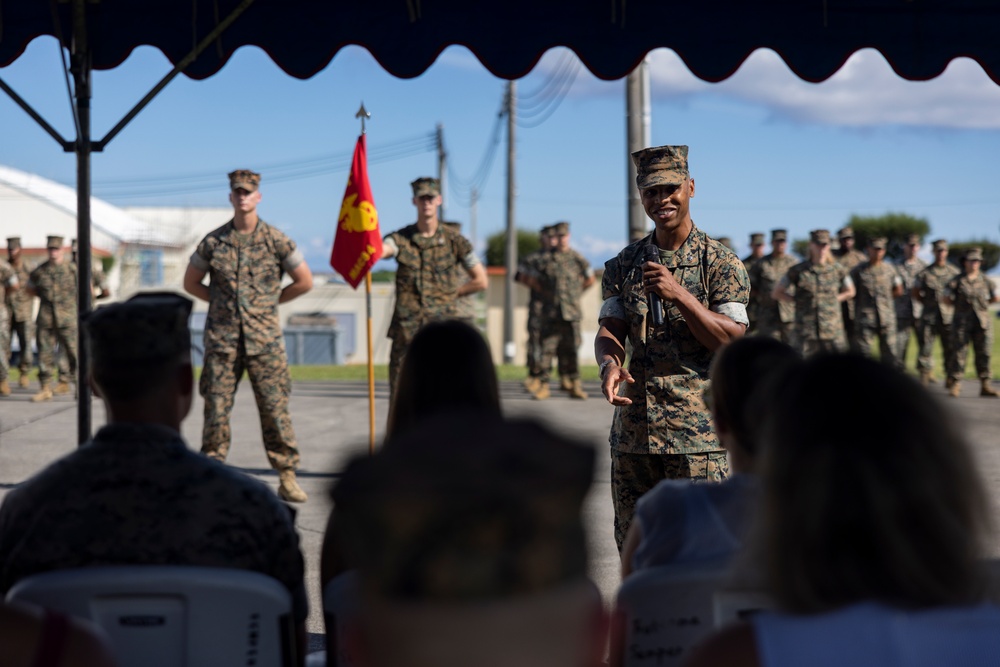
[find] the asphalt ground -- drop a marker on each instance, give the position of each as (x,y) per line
(331,423)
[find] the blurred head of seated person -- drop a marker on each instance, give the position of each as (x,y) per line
(135,493)
(873,527)
(470,546)
(679,521)
(31,636)
(447,366)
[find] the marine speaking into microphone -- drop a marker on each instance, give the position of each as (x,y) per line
(652,254)
(662,428)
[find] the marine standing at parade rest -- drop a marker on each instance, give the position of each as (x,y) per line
(756,253)
(662,428)
(878,286)
(849,257)
(245,260)
(564,276)
(528,272)
(20,304)
(971,294)
(426,286)
(98,290)
(907,308)
(773,318)
(54,283)
(818,287)
(935,315)
(9,282)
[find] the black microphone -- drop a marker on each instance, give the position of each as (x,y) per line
(652,254)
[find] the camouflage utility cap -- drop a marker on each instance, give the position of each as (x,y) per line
(940,244)
(820,236)
(879,242)
(560,228)
(779,235)
(13,243)
(244,179)
(757,239)
(845,233)
(430,517)
(53,242)
(149,327)
(545,231)
(426,187)
(661,165)
(974,254)
(913,239)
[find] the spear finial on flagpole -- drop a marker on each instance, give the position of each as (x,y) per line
(362,114)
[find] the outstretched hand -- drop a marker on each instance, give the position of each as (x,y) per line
(614,376)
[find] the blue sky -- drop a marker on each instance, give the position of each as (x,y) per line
(767,149)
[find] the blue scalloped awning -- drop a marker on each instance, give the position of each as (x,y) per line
(713,37)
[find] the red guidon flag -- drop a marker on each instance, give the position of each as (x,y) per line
(357,244)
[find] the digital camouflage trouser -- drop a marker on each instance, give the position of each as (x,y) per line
(271,385)
(48,339)
(560,339)
(634,474)
(25,332)
(927,329)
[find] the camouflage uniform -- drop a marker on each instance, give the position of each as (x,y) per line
(99,283)
(563,275)
(426,284)
(936,315)
(907,313)
(531,265)
(972,322)
(20,304)
(849,259)
(135,494)
(55,285)
(243,332)
(668,417)
(875,309)
(8,280)
(819,319)
(773,318)
(465,306)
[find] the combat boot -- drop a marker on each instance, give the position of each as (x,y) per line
(44,395)
(955,389)
(24,381)
(4,388)
(576,390)
(531,384)
(289,490)
(925,378)
(62,387)
(565,383)
(949,382)
(543,391)
(987,389)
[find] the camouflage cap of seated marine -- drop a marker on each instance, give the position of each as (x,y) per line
(244,179)
(426,186)
(429,518)
(779,235)
(820,236)
(660,165)
(54,242)
(149,327)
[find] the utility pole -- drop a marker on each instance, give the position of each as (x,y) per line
(442,169)
(637,114)
(509,348)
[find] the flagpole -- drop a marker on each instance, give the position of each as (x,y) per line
(363,115)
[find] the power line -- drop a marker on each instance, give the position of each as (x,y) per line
(463,188)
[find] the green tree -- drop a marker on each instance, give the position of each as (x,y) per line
(496,246)
(894,226)
(991,253)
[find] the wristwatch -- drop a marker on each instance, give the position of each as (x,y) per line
(605,364)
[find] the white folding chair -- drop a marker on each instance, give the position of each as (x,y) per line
(661,612)
(175,616)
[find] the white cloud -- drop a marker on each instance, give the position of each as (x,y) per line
(597,250)
(865,92)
